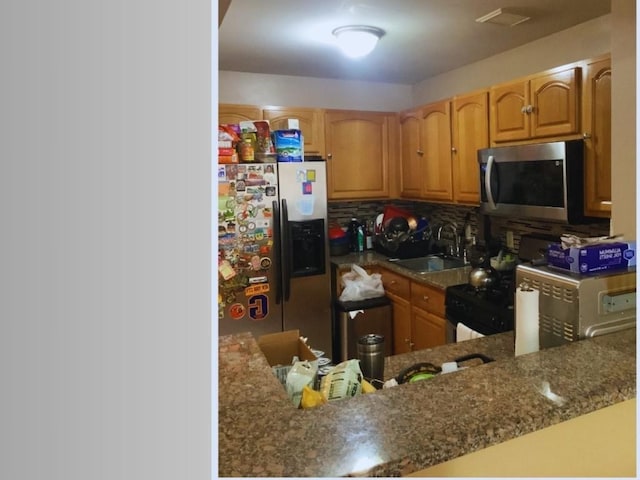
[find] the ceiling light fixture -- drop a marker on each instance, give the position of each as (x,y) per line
(501,17)
(357,41)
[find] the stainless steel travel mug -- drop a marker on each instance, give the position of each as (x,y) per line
(371,355)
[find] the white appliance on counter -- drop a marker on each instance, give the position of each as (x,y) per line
(572,307)
(273,255)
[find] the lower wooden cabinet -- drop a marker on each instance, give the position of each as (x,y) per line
(428,330)
(402,331)
(418,313)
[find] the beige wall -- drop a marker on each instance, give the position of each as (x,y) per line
(623,117)
(282,90)
(586,40)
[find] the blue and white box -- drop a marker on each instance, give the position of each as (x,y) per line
(596,258)
(289,145)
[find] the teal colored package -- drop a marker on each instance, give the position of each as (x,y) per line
(288,145)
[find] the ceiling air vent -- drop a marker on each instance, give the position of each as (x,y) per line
(501,17)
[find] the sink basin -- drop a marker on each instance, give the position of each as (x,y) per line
(430,263)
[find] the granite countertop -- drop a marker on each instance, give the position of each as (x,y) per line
(441,279)
(403,429)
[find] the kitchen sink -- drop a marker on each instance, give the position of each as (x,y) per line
(430,263)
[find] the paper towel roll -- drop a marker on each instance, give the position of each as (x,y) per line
(527,323)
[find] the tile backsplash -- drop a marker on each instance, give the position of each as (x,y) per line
(341,212)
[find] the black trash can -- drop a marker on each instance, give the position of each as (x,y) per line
(355,319)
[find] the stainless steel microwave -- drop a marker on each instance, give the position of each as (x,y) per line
(543,181)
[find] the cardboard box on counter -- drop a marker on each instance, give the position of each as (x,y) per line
(596,258)
(280,348)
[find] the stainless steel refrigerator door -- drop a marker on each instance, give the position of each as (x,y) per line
(248,264)
(307,307)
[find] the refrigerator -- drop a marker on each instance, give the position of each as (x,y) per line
(273,250)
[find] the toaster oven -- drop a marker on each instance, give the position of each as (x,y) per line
(574,307)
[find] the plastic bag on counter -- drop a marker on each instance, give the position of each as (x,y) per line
(302,374)
(359,285)
(343,381)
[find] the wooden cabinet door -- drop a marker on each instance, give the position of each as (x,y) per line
(508,120)
(555,103)
(470,132)
(427,329)
(411,156)
(428,298)
(398,289)
(597,132)
(311,122)
(228,113)
(436,143)
(357,145)
(401,324)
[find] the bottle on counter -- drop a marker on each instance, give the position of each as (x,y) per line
(353,235)
(360,238)
(368,235)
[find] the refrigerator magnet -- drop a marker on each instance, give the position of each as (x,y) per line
(256,289)
(226,270)
(258,306)
(237,311)
(311,175)
(307,188)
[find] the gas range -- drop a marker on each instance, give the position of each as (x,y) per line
(487,311)
(490,311)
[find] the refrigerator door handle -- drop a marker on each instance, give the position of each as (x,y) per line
(285,251)
(277,249)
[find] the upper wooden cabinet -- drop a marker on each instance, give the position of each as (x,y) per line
(311,121)
(544,105)
(435,137)
(228,113)
(426,153)
(358,152)
(439,149)
(596,121)
(411,155)
(470,132)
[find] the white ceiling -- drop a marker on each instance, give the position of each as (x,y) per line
(423,37)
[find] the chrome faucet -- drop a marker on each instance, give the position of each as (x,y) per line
(453,250)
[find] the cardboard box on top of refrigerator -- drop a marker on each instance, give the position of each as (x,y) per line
(596,258)
(280,348)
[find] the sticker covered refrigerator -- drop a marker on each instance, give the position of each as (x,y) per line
(273,252)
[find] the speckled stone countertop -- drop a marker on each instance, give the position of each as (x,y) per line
(441,279)
(403,429)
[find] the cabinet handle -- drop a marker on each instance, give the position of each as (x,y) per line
(586,135)
(419,152)
(425,298)
(453,149)
(411,344)
(392,282)
(329,155)
(529,108)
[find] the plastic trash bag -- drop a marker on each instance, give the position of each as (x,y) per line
(359,285)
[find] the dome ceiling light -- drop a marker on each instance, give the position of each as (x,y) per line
(357,41)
